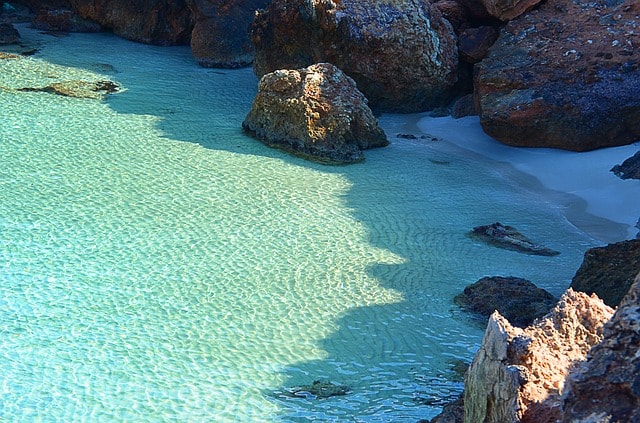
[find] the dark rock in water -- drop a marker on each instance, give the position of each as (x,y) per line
(607,388)
(609,271)
(8,34)
(319,390)
(629,169)
(78,89)
(316,112)
(508,237)
(517,299)
(452,412)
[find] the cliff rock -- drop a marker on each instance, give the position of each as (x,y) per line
(316,112)
(402,54)
(220,36)
(607,389)
(518,374)
(517,299)
(609,271)
(565,75)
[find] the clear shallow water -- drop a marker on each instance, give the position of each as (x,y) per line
(158,265)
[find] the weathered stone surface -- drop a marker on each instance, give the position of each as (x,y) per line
(518,374)
(64,20)
(506,10)
(220,37)
(316,112)
(508,237)
(474,43)
(402,54)
(162,22)
(8,34)
(629,169)
(607,387)
(517,299)
(609,271)
(565,75)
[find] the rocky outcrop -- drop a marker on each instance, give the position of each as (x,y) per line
(518,374)
(607,388)
(510,238)
(8,34)
(609,271)
(517,299)
(629,169)
(64,20)
(316,112)
(220,37)
(402,54)
(565,75)
(505,10)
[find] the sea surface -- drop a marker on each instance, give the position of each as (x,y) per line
(156,264)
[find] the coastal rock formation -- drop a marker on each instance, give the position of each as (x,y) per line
(63,20)
(629,169)
(607,389)
(316,112)
(402,54)
(508,237)
(220,36)
(609,271)
(517,299)
(518,374)
(8,34)
(565,75)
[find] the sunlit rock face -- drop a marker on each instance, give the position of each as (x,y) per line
(316,112)
(402,54)
(565,75)
(608,387)
(518,374)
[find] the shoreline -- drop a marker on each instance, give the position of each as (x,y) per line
(581,185)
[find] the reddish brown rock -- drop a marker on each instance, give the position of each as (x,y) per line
(609,271)
(518,374)
(565,75)
(607,387)
(316,112)
(64,20)
(402,54)
(474,43)
(506,10)
(220,37)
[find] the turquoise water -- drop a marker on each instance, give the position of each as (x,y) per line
(158,265)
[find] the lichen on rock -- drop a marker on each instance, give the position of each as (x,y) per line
(315,112)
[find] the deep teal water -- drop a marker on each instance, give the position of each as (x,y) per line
(158,265)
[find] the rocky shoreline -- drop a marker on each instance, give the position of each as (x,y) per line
(563,74)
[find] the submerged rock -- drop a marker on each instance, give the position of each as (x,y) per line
(509,238)
(402,54)
(319,390)
(518,374)
(517,299)
(629,169)
(316,112)
(78,89)
(607,387)
(609,271)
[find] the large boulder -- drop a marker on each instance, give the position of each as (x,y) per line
(609,271)
(607,389)
(402,54)
(506,10)
(220,36)
(565,75)
(8,34)
(64,20)
(517,299)
(518,374)
(316,112)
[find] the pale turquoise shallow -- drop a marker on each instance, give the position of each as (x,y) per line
(158,265)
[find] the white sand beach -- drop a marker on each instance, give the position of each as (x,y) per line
(593,198)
